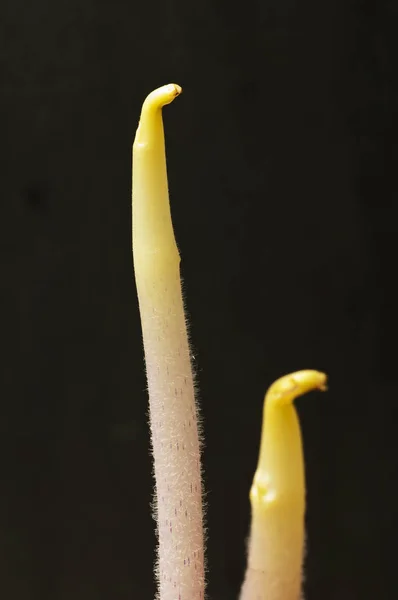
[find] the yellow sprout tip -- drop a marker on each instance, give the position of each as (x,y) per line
(280,469)
(286,389)
(151,113)
(162,96)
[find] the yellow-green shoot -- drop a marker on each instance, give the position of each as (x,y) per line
(276,544)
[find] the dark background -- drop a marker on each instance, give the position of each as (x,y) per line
(282,157)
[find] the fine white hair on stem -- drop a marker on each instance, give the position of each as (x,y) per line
(174,422)
(276,543)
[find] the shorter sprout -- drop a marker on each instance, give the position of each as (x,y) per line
(276,543)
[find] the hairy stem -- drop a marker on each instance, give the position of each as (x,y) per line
(173,410)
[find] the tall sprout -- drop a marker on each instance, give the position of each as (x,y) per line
(173,410)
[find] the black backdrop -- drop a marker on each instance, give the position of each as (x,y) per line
(281,162)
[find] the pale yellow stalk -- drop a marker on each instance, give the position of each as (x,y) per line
(173,411)
(276,544)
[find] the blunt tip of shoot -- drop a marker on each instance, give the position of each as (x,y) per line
(162,96)
(148,128)
(280,471)
(287,388)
